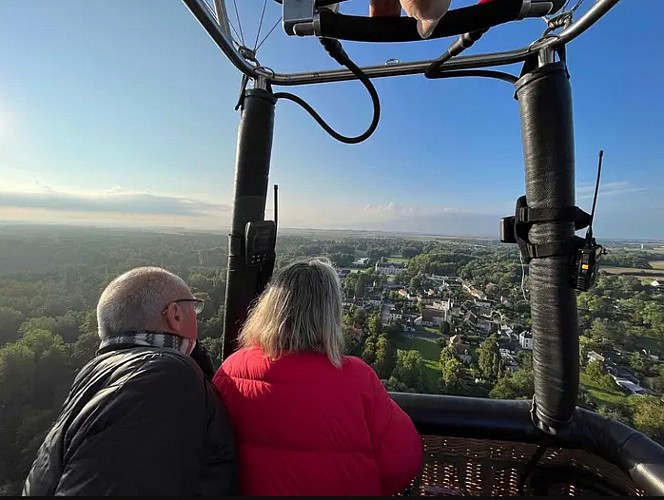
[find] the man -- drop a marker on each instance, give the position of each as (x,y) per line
(141,417)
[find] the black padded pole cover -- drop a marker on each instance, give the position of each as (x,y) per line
(252,168)
(545,102)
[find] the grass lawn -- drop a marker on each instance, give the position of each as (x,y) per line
(657,264)
(601,395)
(397,260)
(430,352)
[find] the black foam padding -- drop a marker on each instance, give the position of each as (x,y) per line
(545,102)
(252,168)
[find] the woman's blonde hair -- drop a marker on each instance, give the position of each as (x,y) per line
(299,311)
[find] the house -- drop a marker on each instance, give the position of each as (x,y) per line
(394,314)
(657,283)
(407,295)
(482,304)
(361,262)
(474,291)
(595,357)
(505,331)
(462,349)
(526,340)
(389,268)
(432,317)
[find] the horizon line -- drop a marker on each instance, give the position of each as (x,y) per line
(157,228)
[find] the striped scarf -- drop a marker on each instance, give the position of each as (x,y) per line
(151,339)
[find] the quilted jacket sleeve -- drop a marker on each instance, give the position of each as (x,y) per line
(397,444)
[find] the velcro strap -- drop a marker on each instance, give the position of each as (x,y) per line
(554,248)
(558,214)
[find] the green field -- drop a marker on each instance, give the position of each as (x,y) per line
(601,395)
(645,275)
(430,352)
(397,260)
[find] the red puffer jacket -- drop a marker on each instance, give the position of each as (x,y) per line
(305,427)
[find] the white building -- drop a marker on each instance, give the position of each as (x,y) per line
(389,268)
(526,340)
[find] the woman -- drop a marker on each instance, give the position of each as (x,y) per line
(309,420)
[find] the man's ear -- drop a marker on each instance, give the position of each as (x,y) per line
(173,316)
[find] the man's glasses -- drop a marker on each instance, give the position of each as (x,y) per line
(199,304)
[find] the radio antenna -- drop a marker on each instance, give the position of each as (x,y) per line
(589,233)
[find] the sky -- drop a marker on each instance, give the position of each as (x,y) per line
(121,112)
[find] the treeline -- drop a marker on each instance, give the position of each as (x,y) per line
(629,258)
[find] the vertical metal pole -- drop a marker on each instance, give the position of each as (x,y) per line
(545,102)
(252,168)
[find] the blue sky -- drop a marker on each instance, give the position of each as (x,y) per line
(121,111)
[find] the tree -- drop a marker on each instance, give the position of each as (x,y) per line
(409,252)
(525,360)
(598,374)
(445,328)
(386,358)
(618,413)
(416,282)
(10,320)
(34,381)
(489,361)
(83,350)
(394,332)
(637,363)
(374,326)
(452,370)
(409,369)
(369,352)
(360,317)
(648,416)
(361,285)
(215,346)
(517,385)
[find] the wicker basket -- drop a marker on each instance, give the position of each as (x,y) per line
(461,466)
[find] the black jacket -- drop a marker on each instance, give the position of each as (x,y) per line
(138,421)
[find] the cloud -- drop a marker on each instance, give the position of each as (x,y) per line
(113,201)
(586,191)
(393,210)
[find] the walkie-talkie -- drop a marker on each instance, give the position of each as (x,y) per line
(586,261)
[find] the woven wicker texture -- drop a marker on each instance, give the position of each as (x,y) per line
(494,468)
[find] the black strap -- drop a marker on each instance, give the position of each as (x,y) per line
(554,248)
(528,215)
(525,217)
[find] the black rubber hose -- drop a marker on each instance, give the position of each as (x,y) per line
(404,29)
(337,52)
(545,101)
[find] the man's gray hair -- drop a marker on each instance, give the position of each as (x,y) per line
(300,310)
(136,299)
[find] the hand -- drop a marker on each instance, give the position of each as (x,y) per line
(384,8)
(427,12)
